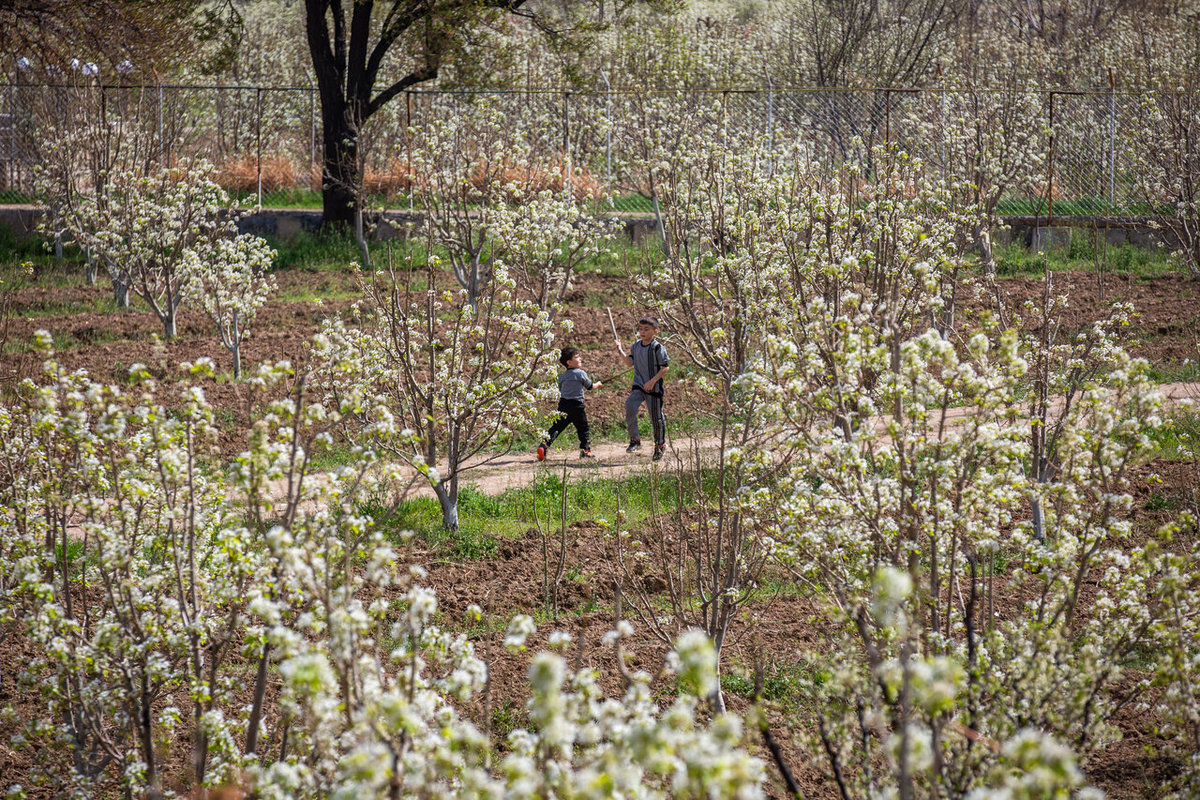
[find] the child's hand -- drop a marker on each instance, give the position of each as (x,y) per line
(597,385)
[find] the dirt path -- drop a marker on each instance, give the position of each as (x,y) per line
(518,469)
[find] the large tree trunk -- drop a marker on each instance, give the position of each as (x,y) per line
(346,62)
(340,174)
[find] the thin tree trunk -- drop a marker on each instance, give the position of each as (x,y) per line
(448,499)
(121,293)
(361,238)
(260,693)
(983,243)
(236,348)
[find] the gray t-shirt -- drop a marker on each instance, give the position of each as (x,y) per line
(647,360)
(571,384)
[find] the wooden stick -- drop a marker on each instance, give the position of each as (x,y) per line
(615,375)
(612,325)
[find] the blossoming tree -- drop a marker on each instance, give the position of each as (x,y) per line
(230,280)
(457,376)
(143,571)
(144,226)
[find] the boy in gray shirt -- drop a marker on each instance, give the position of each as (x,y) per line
(572,385)
(650,362)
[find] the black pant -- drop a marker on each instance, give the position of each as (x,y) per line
(573,414)
(654,405)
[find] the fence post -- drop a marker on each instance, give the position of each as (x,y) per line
(770,114)
(258,139)
(725,118)
(1050,169)
(1112,140)
(10,139)
(942,134)
(770,125)
(566,111)
(887,117)
(162,144)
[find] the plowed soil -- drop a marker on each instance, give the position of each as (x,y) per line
(106,344)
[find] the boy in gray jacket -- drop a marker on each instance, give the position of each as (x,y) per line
(650,362)
(572,385)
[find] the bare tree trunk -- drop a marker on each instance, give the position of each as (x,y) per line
(260,693)
(89,273)
(448,499)
(983,243)
(359,236)
(121,293)
(236,347)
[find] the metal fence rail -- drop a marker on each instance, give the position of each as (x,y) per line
(266,141)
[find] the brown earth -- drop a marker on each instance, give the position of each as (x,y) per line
(512,581)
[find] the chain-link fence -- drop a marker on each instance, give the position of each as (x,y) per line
(1052,152)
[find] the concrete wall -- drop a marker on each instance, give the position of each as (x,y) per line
(286,224)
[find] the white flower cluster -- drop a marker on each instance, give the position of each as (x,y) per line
(230,280)
(142,226)
(142,570)
(902,451)
(436,378)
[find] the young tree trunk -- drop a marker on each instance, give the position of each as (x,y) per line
(448,498)
(1039,520)
(983,243)
(360,237)
(235,347)
(121,293)
(718,695)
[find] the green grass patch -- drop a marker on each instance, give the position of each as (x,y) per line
(14,249)
(1083,252)
(43,270)
(486,519)
(331,251)
(1175,372)
(318,292)
(1179,437)
(102,303)
(63,341)
(785,685)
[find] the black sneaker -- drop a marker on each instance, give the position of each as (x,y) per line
(586,454)
(633,446)
(659,449)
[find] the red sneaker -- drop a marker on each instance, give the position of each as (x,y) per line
(541,452)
